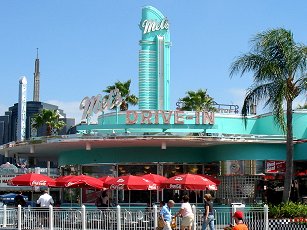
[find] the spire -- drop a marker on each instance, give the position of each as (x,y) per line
(36,78)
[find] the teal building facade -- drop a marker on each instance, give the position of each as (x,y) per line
(154,60)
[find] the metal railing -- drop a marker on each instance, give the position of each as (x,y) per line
(118,218)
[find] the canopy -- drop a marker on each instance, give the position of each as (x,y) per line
(83,181)
(157,179)
(8,168)
(130,183)
(105,178)
(214,179)
(9,197)
(189,182)
(62,180)
(33,179)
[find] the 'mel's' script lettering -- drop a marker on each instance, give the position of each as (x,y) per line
(153,25)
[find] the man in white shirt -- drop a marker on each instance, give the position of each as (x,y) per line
(45,200)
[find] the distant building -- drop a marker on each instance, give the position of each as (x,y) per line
(8,122)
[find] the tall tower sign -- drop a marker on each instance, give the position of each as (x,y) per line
(22,109)
(154,61)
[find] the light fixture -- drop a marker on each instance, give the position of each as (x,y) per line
(163,145)
(88,146)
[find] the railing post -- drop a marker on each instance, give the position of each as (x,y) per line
(155,216)
(194,212)
(19,217)
(4,216)
(50,217)
(266,216)
(234,209)
(83,216)
(118,217)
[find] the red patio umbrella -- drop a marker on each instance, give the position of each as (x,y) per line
(62,180)
(130,183)
(84,181)
(33,179)
(105,178)
(157,179)
(189,182)
(214,179)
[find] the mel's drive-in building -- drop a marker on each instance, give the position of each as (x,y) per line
(249,160)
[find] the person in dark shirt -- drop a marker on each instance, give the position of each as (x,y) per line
(19,200)
(208,213)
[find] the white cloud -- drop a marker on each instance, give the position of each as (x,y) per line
(236,96)
(302,100)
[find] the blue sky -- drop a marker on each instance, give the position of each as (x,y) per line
(85,46)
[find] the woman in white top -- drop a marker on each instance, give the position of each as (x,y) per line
(186,213)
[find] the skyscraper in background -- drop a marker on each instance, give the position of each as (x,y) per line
(36,79)
(154,61)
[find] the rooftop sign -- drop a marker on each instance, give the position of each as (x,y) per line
(154,25)
(100,103)
(164,117)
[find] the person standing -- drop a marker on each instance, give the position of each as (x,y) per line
(208,213)
(238,216)
(45,200)
(19,200)
(102,200)
(186,213)
(166,214)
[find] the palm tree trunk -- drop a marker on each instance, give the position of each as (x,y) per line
(48,130)
(290,153)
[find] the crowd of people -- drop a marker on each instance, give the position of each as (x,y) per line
(167,220)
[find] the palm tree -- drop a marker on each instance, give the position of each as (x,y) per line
(50,118)
(197,101)
(279,67)
(124,89)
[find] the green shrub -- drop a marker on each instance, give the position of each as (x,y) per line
(288,210)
